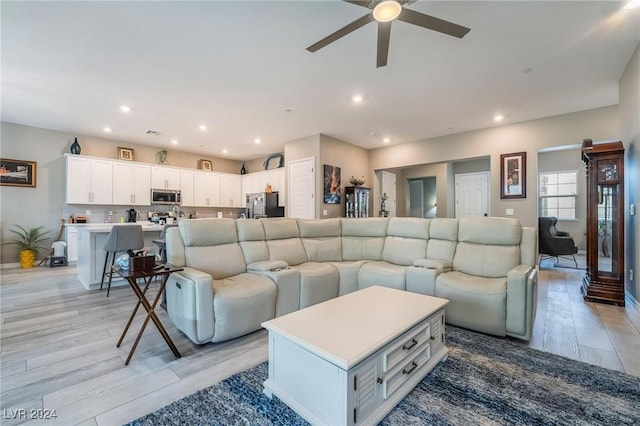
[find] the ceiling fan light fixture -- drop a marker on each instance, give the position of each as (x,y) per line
(387,10)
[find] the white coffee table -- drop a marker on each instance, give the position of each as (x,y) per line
(350,360)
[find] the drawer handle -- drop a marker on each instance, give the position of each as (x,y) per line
(413,367)
(410,345)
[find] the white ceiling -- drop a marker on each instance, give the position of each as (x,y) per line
(239,66)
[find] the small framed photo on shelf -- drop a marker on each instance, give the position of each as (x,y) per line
(17,173)
(125,154)
(205,165)
(513,175)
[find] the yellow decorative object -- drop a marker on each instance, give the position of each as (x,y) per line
(27,258)
(268,188)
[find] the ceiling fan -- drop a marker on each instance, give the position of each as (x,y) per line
(385,12)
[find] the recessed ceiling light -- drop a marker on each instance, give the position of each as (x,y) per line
(498,117)
(125,108)
(357,99)
(203,127)
(386,140)
(632,4)
(174,141)
(107,129)
(225,151)
(257,141)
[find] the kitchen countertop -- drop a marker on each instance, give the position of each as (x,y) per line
(106,227)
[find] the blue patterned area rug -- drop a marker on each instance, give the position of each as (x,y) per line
(485,380)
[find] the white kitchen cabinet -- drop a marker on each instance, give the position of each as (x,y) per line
(186,188)
(231,191)
(258,181)
(206,189)
(131,184)
(165,178)
(89,180)
(72,243)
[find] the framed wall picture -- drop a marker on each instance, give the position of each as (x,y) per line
(513,175)
(331,184)
(17,173)
(125,154)
(205,165)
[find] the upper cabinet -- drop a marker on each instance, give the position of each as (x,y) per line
(89,181)
(257,182)
(186,188)
(206,189)
(131,183)
(231,191)
(165,178)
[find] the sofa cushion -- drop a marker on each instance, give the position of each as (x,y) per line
(251,237)
(477,303)
(363,239)
(443,235)
(321,239)
(382,273)
(211,246)
(488,246)
(490,230)
(318,282)
(406,240)
(283,240)
(241,304)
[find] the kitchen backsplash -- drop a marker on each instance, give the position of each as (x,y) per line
(100,214)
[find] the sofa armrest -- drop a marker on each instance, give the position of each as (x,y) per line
(190,303)
(521,301)
(267,265)
(439,265)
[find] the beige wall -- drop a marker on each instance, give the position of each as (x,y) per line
(352,160)
(529,136)
(439,171)
(568,160)
(629,97)
(45,204)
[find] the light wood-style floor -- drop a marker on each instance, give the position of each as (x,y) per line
(58,347)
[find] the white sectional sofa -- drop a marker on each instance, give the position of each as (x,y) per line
(240,273)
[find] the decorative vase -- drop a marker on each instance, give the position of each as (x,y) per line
(27,258)
(243,171)
(75,147)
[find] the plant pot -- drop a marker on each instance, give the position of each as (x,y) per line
(27,258)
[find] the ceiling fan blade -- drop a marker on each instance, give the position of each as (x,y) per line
(435,24)
(384,34)
(363,3)
(341,33)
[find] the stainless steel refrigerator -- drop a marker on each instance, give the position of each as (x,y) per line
(263,204)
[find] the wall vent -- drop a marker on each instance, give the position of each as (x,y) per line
(153,132)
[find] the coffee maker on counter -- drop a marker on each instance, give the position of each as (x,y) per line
(132,215)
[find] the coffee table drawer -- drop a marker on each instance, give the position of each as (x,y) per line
(399,376)
(406,346)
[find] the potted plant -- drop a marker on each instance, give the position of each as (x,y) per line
(30,241)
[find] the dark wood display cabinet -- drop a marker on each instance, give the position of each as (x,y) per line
(356,201)
(604,278)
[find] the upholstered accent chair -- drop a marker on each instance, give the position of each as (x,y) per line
(553,243)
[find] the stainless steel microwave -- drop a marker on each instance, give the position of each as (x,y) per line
(165,196)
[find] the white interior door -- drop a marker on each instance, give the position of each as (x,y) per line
(472,194)
(389,187)
(302,184)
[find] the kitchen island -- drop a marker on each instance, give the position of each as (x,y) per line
(91,239)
